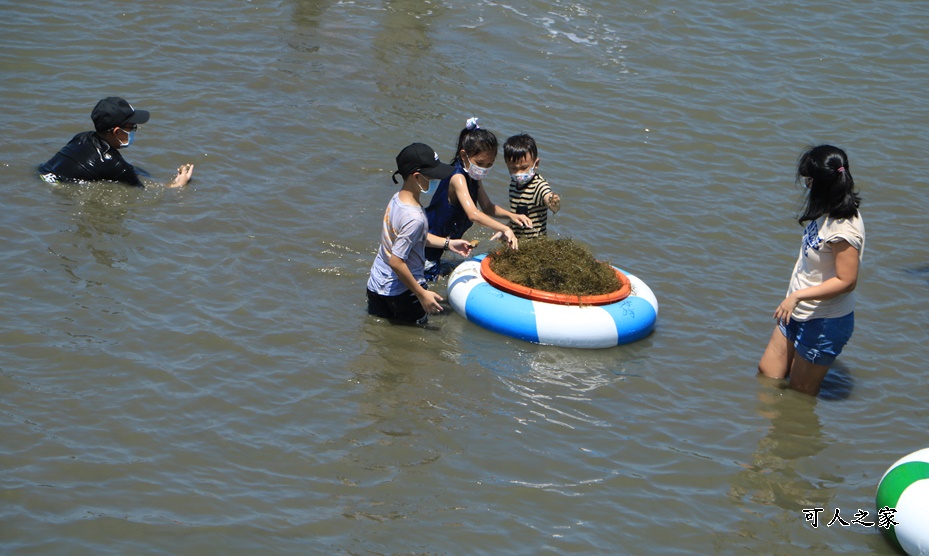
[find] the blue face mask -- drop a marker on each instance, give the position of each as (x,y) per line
(128,141)
(433,185)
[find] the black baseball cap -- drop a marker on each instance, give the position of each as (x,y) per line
(423,159)
(114,111)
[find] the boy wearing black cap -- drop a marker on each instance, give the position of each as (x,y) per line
(397,286)
(94,155)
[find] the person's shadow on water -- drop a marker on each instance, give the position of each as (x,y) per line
(774,474)
(922,272)
(837,384)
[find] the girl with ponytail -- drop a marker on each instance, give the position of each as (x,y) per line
(816,318)
(460,200)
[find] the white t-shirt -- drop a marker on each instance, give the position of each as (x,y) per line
(404,235)
(816,264)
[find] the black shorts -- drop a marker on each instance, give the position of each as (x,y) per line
(404,307)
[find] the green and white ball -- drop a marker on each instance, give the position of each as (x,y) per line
(905,487)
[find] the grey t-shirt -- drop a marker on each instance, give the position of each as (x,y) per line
(403,234)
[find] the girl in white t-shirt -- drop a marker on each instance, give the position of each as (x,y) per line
(816,318)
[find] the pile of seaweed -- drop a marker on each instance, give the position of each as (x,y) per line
(555,265)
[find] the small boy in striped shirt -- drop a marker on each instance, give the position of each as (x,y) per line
(530,194)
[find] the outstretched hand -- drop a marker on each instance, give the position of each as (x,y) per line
(460,246)
(509,237)
(183,176)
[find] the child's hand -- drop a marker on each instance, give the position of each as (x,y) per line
(785,309)
(430,302)
(554,202)
(509,237)
(460,246)
(521,220)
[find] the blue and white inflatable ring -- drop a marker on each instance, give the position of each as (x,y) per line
(622,322)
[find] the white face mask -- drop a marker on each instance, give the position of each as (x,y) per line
(476,172)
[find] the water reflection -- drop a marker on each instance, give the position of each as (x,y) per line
(922,272)
(557,386)
(395,372)
(410,72)
(774,476)
(401,411)
(302,106)
(98,212)
(309,12)
(307,15)
(403,40)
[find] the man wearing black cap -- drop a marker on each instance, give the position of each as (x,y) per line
(397,285)
(94,155)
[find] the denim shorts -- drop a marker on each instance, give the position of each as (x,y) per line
(819,341)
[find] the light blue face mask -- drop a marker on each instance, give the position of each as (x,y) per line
(129,141)
(433,185)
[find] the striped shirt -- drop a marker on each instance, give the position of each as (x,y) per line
(530,200)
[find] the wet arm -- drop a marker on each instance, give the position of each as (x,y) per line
(183,176)
(460,191)
(553,202)
(459,246)
(497,211)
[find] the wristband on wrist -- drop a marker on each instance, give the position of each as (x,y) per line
(446,244)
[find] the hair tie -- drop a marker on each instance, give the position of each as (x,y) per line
(472,124)
(841,169)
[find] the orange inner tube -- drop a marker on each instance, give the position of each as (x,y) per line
(501,283)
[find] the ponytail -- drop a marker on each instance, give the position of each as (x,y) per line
(831,186)
(474,139)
